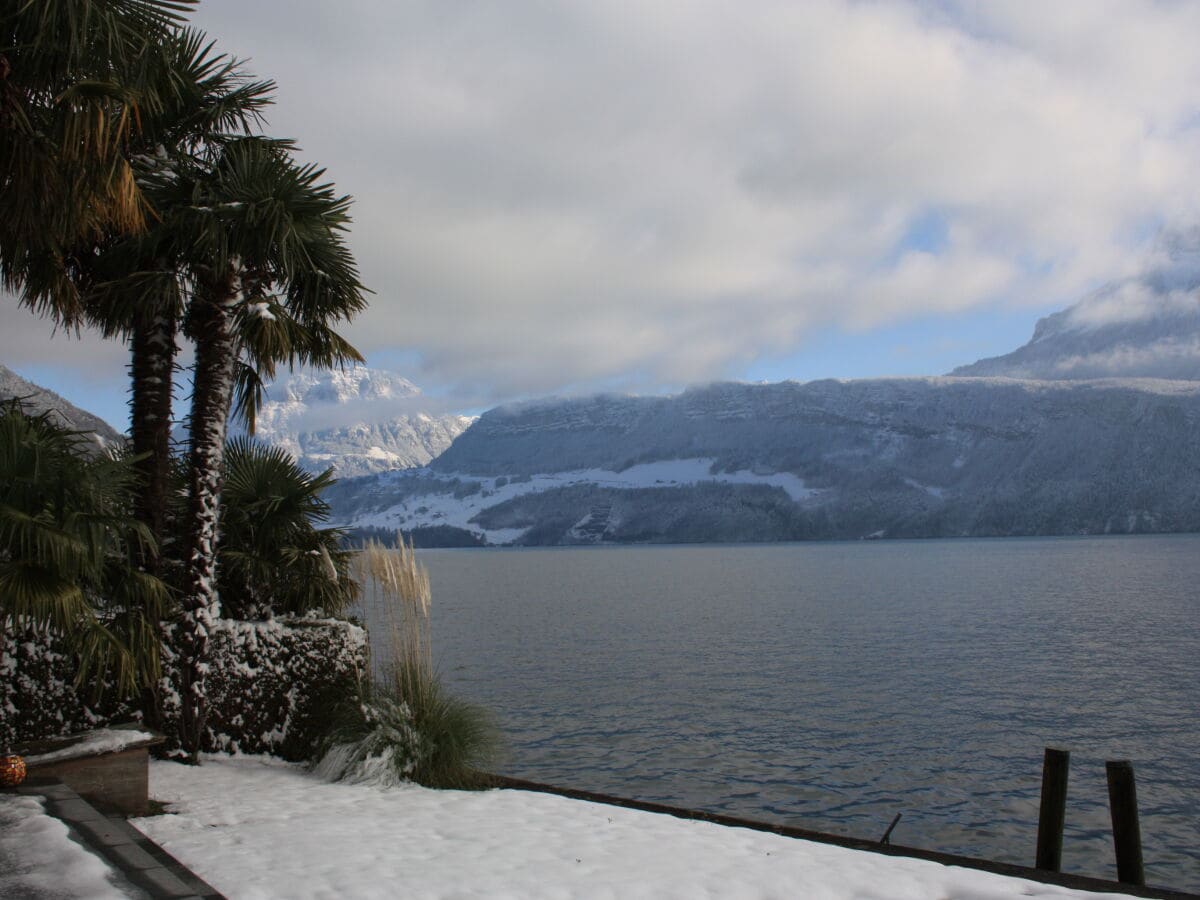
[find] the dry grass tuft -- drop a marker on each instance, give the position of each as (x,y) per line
(406,724)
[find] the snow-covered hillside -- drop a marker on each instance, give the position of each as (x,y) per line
(36,399)
(358,420)
(828,459)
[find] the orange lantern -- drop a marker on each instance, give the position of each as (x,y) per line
(12,771)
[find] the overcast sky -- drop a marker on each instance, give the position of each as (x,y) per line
(556,197)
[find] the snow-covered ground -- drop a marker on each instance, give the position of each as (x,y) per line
(257,828)
(447,509)
(38,859)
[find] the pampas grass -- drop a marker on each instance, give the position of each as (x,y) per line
(404,724)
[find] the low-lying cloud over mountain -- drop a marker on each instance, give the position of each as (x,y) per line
(1056,445)
(357,420)
(1146,326)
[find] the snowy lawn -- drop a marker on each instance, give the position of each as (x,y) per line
(255,827)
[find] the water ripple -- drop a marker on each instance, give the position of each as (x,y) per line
(831,686)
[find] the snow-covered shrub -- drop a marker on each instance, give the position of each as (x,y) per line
(371,742)
(270,685)
(408,727)
(38,694)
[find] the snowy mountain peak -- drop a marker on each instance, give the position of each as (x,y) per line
(357,420)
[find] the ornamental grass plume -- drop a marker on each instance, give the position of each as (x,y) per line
(396,588)
(404,724)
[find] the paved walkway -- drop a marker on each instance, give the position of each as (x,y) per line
(142,868)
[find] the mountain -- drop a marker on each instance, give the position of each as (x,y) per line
(37,400)
(1091,427)
(912,457)
(358,420)
(1147,326)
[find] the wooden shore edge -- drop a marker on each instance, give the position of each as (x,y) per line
(1060,879)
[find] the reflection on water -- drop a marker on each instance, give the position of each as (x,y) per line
(833,685)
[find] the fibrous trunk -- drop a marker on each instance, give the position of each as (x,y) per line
(212,329)
(152,369)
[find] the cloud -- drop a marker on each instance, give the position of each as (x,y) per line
(324,416)
(27,339)
(552,196)
(1168,357)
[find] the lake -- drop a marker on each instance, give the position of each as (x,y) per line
(833,685)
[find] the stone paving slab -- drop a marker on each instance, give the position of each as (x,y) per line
(143,863)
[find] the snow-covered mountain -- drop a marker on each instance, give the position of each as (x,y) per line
(1147,325)
(357,420)
(914,457)
(36,399)
(1091,427)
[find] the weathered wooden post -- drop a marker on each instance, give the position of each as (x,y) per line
(1127,834)
(1054,809)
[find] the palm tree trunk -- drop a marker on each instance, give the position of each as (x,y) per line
(212,328)
(152,369)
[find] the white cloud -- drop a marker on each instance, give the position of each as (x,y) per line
(558,195)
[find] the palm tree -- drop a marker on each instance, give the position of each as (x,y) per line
(76,78)
(68,546)
(133,287)
(258,241)
(273,558)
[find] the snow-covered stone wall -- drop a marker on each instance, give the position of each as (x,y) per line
(267,683)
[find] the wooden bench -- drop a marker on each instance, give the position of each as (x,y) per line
(106,766)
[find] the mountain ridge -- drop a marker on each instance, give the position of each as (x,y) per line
(36,399)
(916,457)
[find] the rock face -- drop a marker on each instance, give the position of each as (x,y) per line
(38,400)
(1145,326)
(920,457)
(359,421)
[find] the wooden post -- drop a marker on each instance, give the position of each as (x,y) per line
(1054,809)
(887,835)
(1127,834)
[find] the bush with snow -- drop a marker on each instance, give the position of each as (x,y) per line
(270,685)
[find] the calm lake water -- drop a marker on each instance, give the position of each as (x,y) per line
(832,685)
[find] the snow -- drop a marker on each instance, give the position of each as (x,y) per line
(446,509)
(39,859)
(94,743)
(256,828)
(927,488)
